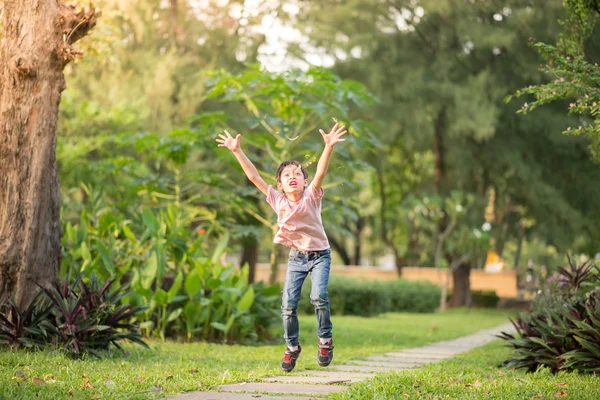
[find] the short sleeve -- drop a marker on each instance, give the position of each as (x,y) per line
(274,198)
(316,194)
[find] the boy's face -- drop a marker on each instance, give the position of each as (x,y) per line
(292,180)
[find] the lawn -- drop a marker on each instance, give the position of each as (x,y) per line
(171,367)
(475,375)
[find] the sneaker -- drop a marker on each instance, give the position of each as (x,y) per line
(325,354)
(289,359)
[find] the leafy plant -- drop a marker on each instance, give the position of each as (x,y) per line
(561,331)
(89,317)
(25,327)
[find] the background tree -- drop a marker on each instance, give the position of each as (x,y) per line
(36,45)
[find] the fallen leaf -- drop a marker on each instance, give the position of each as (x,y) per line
(193,371)
(500,372)
(20,375)
(49,378)
(86,383)
(537,396)
(406,396)
(95,397)
(139,379)
(489,378)
(38,381)
(560,385)
(560,394)
(477,383)
(70,393)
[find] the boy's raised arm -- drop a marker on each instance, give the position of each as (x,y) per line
(330,139)
(233,144)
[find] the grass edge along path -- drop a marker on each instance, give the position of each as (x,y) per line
(476,374)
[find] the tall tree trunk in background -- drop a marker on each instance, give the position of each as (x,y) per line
(340,248)
(439,151)
(35,47)
(386,236)
(461,293)
(250,257)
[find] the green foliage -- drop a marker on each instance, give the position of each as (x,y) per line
(575,74)
(165,262)
(561,331)
(80,317)
(482,298)
(369,298)
(25,327)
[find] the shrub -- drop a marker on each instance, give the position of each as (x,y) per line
(368,298)
(562,330)
(80,317)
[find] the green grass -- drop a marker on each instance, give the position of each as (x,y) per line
(475,375)
(172,367)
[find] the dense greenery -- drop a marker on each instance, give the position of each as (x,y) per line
(349,296)
(561,331)
(173,367)
(439,124)
(73,315)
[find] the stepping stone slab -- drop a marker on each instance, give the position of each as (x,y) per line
(312,379)
(282,388)
(337,374)
(364,368)
(384,364)
(234,396)
(421,355)
(401,360)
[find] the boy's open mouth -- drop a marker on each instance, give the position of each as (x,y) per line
(293,184)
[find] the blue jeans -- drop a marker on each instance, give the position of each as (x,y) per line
(300,264)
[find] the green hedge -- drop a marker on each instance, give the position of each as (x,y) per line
(368,298)
(482,298)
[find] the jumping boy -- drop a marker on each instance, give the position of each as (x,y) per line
(298,211)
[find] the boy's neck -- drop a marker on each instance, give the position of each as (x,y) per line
(295,197)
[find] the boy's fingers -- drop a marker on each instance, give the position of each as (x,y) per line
(343,133)
(223,137)
(227,133)
(341,128)
(342,140)
(238,136)
(322,132)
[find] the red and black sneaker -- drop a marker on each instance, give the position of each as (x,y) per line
(289,359)
(325,353)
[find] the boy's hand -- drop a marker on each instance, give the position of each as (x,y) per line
(333,137)
(228,141)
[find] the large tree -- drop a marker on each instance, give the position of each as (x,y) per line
(37,39)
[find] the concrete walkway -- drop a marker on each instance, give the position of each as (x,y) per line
(319,383)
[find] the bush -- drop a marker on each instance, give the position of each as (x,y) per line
(561,331)
(77,316)
(369,298)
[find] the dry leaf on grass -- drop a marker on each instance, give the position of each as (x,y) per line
(38,381)
(477,383)
(560,394)
(86,383)
(560,385)
(537,396)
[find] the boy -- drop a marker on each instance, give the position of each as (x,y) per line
(298,211)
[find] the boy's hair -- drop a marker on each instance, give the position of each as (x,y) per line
(285,164)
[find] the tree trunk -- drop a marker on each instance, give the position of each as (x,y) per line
(250,257)
(439,151)
(519,247)
(274,263)
(35,47)
(461,293)
(340,248)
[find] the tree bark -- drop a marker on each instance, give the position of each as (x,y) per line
(250,257)
(340,248)
(461,292)
(35,47)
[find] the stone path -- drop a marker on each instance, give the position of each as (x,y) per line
(318,383)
